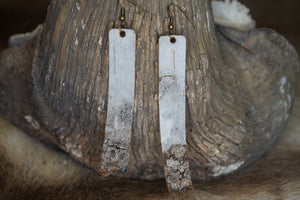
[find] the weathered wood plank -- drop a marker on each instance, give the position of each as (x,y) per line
(172,103)
(120,101)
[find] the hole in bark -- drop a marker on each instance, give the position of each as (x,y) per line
(122,33)
(173,40)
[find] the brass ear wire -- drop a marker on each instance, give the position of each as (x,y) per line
(171,15)
(171,25)
(122,18)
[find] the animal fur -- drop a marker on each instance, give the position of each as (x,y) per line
(31,170)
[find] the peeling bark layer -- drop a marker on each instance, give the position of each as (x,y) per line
(240,85)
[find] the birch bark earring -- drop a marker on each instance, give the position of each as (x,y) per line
(172,66)
(122,45)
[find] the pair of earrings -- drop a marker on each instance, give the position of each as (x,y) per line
(172,67)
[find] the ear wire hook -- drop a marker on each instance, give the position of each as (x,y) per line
(122,18)
(172,16)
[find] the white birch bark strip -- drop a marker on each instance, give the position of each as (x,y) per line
(120,101)
(172,66)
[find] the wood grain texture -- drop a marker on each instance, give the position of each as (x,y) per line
(240,85)
(120,101)
(53,175)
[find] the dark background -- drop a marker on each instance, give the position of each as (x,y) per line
(19,16)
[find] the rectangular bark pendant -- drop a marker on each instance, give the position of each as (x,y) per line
(172,66)
(122,44)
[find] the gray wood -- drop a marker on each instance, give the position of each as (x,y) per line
(172,101)
(235,110)
(172,62)
(118,127)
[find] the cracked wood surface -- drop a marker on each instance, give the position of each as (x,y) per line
(240,85)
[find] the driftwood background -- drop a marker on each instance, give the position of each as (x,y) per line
(275,175)
(17,16)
